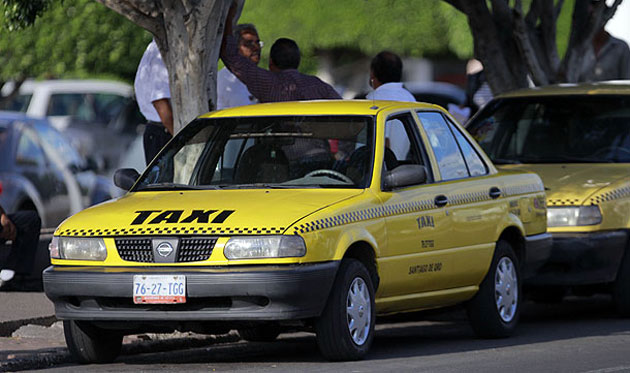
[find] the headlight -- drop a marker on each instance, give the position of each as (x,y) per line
(573,216)
(77,248)
(264,247)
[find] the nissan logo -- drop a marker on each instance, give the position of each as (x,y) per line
(164,249)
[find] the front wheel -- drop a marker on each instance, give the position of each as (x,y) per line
(494,310)
(345,329)
(89,344)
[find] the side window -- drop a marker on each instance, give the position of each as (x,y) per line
(107,106)
(57,143)
(401,144)
(449,157)
(28,150)
(473,161)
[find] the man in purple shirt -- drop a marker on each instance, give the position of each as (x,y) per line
(282,82)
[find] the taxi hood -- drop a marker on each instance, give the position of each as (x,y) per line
(190,212)
(573,184)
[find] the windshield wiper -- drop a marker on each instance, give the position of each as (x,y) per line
(171,186)
(505,161)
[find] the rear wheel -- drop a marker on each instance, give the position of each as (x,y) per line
(621,290)
(495,309)
(89,344)
(262,333)
(345,329)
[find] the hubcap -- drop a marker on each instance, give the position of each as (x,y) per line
(358,311)
(506,289)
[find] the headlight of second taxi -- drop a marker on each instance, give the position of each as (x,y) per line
(264,247)
(77,248)
(573,216)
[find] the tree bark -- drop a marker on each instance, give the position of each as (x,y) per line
(514,47)
(188,34)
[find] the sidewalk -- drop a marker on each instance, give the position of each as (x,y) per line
(32,338)
(30,335)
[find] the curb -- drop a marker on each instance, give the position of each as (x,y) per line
(59,355)
(8,327)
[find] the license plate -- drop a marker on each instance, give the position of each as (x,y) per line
(159,289)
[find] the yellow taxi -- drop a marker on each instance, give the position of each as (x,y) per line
(577,138)
(318,216)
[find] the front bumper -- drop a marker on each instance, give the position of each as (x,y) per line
(537,253)
(583,259)
(252,293)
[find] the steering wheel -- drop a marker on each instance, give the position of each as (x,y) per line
(615,150)
(330,173)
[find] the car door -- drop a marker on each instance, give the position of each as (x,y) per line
(417,227)
(31,162)
(470,197)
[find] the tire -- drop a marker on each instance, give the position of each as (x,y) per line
(338,335)
(89,344)
(621,289)
(494,310)
(262,333)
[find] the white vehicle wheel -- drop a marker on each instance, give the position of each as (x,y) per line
(493,312)
(346,327)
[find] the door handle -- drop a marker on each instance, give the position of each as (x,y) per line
(495,193)
(441,200)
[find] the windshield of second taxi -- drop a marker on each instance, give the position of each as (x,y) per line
(266,152)
(560,129)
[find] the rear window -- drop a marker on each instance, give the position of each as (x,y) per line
(17,103)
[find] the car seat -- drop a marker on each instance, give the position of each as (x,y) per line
(262,163)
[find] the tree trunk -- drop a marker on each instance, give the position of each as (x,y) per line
(188,34)
(514,47)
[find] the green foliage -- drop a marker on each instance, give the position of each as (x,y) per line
(417,28)
(22,13)
(73,39)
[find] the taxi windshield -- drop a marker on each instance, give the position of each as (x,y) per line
(266,152)
(559,129)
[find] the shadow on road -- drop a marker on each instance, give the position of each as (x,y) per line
(444,333)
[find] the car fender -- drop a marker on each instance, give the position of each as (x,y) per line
(354,235)
(17,190)
(510,220)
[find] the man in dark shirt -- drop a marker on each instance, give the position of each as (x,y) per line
(22,229)
(282,82)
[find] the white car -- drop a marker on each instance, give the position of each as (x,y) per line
(100,117)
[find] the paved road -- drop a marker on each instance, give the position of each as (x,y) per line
(577,336)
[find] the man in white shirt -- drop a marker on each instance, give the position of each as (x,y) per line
(230,90)
(154,99)
(385,77)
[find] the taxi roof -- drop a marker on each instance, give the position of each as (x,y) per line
(317,107)
(618,87)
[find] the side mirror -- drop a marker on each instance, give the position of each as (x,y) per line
(404,175)
(124,178)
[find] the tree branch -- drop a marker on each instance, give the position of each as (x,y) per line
(548,36)
(521,36)
(457,4)
(144,13)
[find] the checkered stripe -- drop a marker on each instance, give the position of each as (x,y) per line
(464,198)
(167,231)
(515,190)
(363,215)
(563,202)
(618,193)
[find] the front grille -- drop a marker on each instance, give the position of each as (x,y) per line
(135,249)
(195,249)
(191,249)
